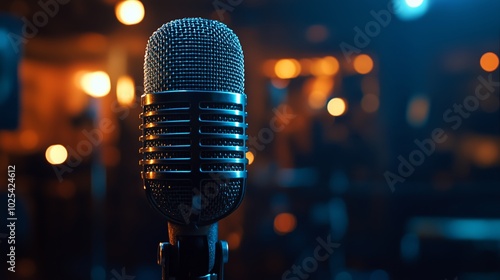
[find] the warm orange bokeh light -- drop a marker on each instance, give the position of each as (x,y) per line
(250,157)
(234,240)
(284,223)
(489,62)
(370,103)
(363,64)
(328,66)
(287,68)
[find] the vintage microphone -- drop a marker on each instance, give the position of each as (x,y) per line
(193,140)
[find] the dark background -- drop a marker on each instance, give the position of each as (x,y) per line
(325,173)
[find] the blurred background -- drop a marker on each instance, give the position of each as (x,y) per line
(373,124)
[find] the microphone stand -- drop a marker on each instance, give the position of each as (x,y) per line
(191,253)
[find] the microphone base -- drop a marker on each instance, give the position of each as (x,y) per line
(168,258)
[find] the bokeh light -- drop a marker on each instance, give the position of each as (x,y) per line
(363,64)
(418,111)
(287,68)
(130,12)
(284,223)
(234,240)
(325,66)
(96,84)
(370,103)
(125,90)
(250,157)
(489,62)
(414,3)
(56,154)
(336,107)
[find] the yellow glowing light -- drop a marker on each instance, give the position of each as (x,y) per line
(56,154)
(284,223)
(363,64)
(489,62)
(125,90)
(250,157)
(96,84)
(418,111)
(336,107)
(328,66)
(370,103)
(129,12)
(287,68)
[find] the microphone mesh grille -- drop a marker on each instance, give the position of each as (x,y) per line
(194,54)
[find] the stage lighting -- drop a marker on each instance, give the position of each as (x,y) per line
(336,107)
(287,68)
(125,90)
(250,157)
(130,12)
(56,154)
(489,62)
(410,9)
(414,3)
(284,223)
(363,64)
(96,84)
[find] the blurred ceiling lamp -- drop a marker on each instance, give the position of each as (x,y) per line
(125,90)
(129,12)
(56,154)
(370,103)
(417,111)
(328,66)
(250,157)
(96,84)
(363,64)
(284,223)
(410,9)
(336,107)
(489,62)
(287,68)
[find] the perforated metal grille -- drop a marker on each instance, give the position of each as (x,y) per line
(168,155)
(167,130)
(221,129)
(224,106)
(217,154)
(217,167)
(221,142)
(174,198)
(157,107)
(167,142)
(194,54)
(221,118)
(166,118)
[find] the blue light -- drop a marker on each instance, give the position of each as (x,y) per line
(410,9)
(414,3)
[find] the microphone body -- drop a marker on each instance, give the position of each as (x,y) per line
(193,141)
